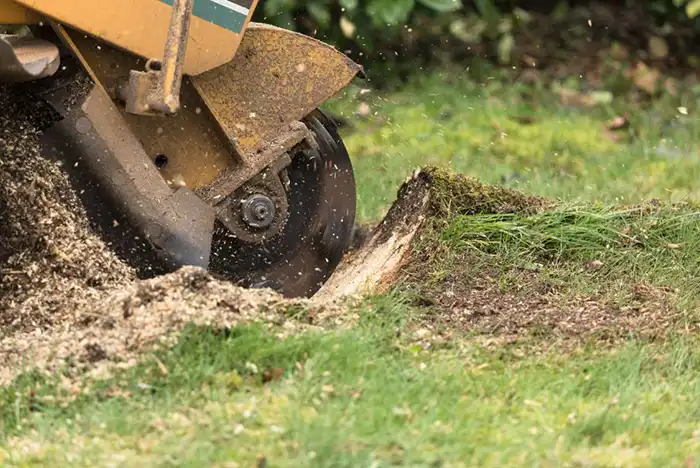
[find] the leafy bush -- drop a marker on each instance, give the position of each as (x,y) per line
(372,25)
(692,7)
(379,13)
(393,30)
(363,22)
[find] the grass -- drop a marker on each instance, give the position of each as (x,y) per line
(361,398)
(655,245)
(388,394)
(522,138)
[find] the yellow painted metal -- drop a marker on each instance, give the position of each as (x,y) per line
(141,27)
(277,77)
(13,13)
(195,148)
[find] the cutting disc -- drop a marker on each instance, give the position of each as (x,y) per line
(318,231)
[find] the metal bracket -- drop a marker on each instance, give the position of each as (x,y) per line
(255,162)
(157,90)
(93,133)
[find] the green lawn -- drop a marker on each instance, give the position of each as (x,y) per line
(522,138)
(364,398)
(390,392)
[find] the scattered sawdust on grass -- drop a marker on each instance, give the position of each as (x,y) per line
(150,314)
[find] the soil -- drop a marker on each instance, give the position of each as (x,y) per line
(481,307)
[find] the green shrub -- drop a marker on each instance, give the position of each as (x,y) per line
(692,7)
(393,34)
(366,22)
(362,22)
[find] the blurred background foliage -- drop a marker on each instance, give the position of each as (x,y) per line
(396,37)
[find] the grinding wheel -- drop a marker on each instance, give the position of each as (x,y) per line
(322,204)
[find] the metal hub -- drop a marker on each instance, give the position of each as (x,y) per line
(258,211)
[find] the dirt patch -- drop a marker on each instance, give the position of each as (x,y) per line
(482,307)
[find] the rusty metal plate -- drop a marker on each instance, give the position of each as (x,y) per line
(195,149)
(277,77)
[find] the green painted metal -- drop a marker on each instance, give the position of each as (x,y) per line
(224,13)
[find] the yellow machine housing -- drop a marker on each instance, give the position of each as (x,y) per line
(280,77)
(138,26)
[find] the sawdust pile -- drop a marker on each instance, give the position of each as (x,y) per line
(51,264)
(149,314)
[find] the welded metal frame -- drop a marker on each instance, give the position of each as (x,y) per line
(177,223)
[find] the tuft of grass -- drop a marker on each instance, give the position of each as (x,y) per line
(592,247)
(476,233)
(455,194)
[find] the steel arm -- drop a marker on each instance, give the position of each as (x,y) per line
(157,90)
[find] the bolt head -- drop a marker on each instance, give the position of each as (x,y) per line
(258,211)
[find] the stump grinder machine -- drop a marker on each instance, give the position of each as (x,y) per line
(198,130)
